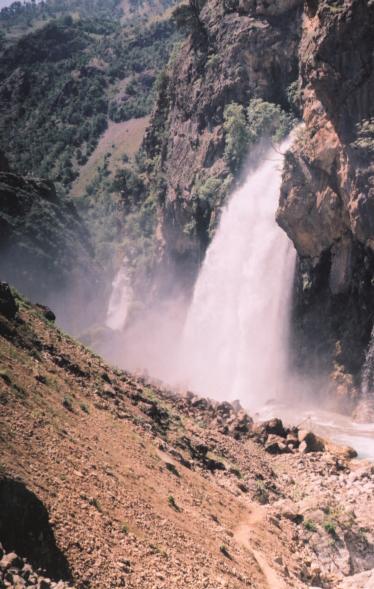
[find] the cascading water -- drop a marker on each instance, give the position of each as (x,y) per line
(235,339)
(367,380)
(120,299)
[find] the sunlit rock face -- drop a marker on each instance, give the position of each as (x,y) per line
(244,50)
(327,199)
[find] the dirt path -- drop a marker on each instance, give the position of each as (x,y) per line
(242,535)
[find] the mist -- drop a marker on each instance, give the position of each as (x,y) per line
(230,340)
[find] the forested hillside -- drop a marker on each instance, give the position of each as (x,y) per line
(60,86)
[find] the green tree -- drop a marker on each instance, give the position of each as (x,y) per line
(237,137)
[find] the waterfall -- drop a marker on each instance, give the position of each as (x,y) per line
(367,379)
(120,299)
(235,338)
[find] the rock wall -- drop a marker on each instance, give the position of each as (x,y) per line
(46,251)
(238,50)
(327,199)
(241,49)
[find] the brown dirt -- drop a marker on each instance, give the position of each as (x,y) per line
(130,504)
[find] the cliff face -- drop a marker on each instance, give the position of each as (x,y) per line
(45,247)
(237,50)
(327,200)
(241,50)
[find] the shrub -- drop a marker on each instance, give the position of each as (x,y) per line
(310,525)
(237,138)
(68,403)
(172,468)
(330,527)
(261,494)
(224,551)
(266,119)
(172,503)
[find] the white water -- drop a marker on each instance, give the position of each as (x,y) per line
(120,300)
(235,339)
(367,385)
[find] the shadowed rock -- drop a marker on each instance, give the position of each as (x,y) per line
(26,530)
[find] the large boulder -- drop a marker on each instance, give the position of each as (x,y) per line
(8,304)
(309,442)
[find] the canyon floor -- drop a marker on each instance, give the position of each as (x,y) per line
(110,480)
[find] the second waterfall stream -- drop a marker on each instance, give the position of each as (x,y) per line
(236,337)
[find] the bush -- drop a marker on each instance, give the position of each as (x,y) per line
(237,138)
(244,129)
(172,503)
(310,525)
(266,119)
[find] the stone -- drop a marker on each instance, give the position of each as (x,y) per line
(309,442)
(47,312)
(10,560)
(272,426)
(8,304)
(275,445)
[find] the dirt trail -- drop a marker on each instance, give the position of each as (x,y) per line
(243,534)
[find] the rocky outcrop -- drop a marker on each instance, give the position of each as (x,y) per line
(45,248)
(25,529)
(8,304)
(237,50)
(327,200)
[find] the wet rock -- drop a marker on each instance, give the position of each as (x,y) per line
(8,304)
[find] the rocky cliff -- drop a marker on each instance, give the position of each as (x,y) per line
(315,60)
(327,200)
(46,248)
(236,50)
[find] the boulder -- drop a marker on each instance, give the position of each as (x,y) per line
(276,445)
(309,442)
(46,312)
(8,304)
(273,426)
(344,452)
(10,560)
